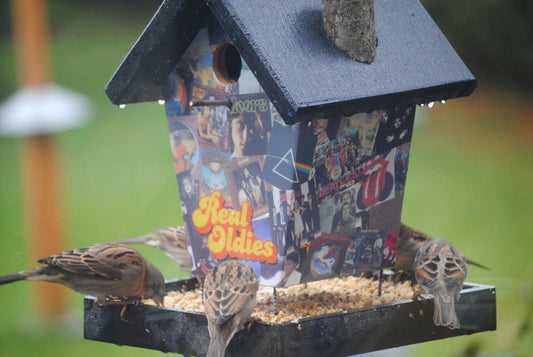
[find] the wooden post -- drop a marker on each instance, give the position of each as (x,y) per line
(350,24)
(39,162)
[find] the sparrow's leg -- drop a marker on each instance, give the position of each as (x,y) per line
(248,324)
(123,312)
(400,276)
(417,294)
(124,301)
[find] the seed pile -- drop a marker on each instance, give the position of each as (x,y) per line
(306,300)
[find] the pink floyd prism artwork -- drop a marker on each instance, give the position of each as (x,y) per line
(297,203)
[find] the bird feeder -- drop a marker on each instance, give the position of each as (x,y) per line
(285,149)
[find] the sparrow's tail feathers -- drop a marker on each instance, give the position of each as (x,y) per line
(9,278)
(444,314)
(146,239)
(217,345)
(476,264)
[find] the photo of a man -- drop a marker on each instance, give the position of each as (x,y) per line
(250,125)
(248,135)
(291,276)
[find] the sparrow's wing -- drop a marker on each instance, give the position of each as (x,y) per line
(440,267)
(454,269)
(228,290)
(407,233)
(428,263)
(149,239)
(108,260)
(174,235)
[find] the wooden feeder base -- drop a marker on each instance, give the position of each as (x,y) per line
(339,334)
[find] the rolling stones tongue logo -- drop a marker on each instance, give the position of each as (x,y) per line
(378,183)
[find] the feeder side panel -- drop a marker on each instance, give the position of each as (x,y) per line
(298,203)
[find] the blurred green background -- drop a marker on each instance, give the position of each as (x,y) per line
(470,175)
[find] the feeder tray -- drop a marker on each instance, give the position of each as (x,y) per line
(338,334)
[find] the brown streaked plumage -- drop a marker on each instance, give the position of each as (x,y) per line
(409,242)
(105,270)
(172,241)
(440,270)
(229,299)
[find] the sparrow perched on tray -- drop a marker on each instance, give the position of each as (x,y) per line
(113,273)
(410,240)
(440,270)
(229,299)
(408,243)
(172,241)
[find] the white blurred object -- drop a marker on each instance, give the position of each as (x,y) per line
(40,110)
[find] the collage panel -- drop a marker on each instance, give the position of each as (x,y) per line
(212,175)
(337,164)
(189,196)
(321,191)
(268,273)
(245,183)
(365,252)
(338,213)
(386,214)
(390,250)
(282,204)
(183,143)
(401,162)
(177,91)
(324,130)
(395,128)
(367,125)
(310,210)
(325,256)
(377,183)
(295,215)
(250,125)
(278,224)
(281,168)
(211,121)
(198,59)
(292,269)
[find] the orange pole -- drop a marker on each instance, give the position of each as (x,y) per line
(39,161)
(30,29)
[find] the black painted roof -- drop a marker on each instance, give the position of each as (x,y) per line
(302,72)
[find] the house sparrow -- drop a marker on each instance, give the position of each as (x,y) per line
(408,243)
(229,300)
(113,273)
(410,240)
(440,270)
(172,241)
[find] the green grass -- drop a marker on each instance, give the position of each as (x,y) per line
(469,181)
(116,175)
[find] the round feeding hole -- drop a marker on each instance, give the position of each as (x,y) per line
(227,63)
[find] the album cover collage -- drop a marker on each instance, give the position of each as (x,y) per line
(298,203)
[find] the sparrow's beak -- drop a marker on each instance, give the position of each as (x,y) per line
(160,301)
